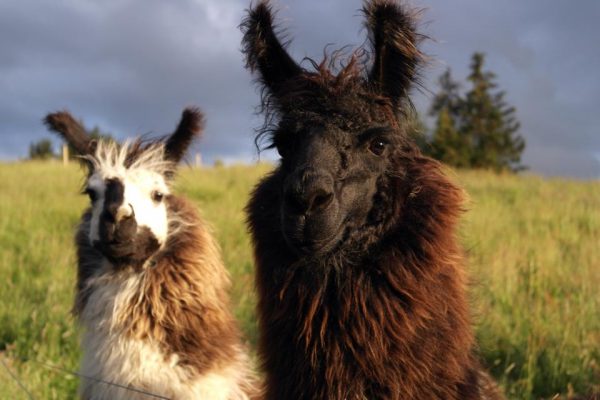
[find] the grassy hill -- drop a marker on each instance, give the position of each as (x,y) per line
(534,259)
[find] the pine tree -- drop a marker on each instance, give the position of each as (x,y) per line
(478,130)
(447,142)
(448,97)
(490,123)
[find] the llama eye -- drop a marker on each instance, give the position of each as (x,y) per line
(377,146)
(157,196)
(284,143)
(281,147)
(280,151)
(91,194)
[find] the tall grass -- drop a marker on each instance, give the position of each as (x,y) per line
(534,257)
(534,253)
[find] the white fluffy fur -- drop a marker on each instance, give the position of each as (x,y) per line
(140,364)
(140,179)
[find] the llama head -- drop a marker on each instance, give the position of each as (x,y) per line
(341,135)
(128,186)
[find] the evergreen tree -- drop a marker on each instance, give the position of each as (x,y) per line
(448,97)
(447,142)
(41,150)
(490,123)
(478,130)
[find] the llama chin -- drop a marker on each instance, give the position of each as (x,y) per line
(360,278)
(152,290)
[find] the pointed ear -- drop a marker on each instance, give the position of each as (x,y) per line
(394,41)
(263,51)
(190,126)
(71,131)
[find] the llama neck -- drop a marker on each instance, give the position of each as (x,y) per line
(385,328)
(181,303)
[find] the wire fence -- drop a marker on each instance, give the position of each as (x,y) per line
(16,379)
(61,370)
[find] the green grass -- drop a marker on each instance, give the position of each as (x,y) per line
(534,257)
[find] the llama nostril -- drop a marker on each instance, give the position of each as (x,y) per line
(303,203)
(124,212)
(308,191)
(295,203)
(108,215)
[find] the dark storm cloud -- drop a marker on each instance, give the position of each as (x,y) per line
(131,66)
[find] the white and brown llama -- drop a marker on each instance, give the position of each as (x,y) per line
(152,291)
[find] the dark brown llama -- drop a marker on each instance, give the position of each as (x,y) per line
(152,291)
(359,274)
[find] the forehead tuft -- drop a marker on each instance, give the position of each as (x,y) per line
(113,159)
(345,100)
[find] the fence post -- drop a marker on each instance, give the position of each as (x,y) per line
(65,154)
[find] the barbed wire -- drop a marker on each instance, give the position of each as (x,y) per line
(63,370)
(16,379)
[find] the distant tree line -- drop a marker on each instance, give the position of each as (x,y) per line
(43,149)
(477,129)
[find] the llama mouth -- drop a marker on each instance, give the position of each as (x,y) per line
(308,247)
(132,251)
(115,249)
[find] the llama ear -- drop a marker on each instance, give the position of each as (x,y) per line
(393,37)
(71,131)
(263,51)
(190,126)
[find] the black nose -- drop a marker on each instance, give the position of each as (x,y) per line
(113,198)
(308,191)
(117,221)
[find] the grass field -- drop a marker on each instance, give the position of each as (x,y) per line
(534,258)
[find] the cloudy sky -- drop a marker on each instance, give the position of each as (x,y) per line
(130,66)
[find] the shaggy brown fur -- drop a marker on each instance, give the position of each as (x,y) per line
(382,313)
(183,304)
(393,324)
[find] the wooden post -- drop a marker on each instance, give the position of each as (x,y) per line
(198,160)
(65,154)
